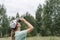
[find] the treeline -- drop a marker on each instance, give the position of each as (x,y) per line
(46,21)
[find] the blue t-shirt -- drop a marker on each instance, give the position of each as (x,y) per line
(20,35)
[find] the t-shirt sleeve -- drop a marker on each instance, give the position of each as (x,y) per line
(24,33)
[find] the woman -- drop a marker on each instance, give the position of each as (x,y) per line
(16,34)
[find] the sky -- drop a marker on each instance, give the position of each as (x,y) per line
(21,6)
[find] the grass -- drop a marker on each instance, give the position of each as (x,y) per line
(35,38)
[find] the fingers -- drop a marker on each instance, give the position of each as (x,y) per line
(22,19)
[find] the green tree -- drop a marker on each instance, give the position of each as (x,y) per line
(50,18)
(12,18)
(17,15)
(2,12)
(56,17)
(4,22)
(46,20)
(39,18)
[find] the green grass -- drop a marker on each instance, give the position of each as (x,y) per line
(35,38)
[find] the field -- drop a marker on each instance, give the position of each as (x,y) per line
(35,38)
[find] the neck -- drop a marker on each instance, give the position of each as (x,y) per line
(18,29)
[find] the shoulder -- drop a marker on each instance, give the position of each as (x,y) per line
(24,31)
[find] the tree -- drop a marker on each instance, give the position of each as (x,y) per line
(17,15)
(4,22)
(39,18)
(50,20)
(12,18)
(2,12)
(56,17)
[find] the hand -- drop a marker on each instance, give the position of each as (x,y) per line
(22,19)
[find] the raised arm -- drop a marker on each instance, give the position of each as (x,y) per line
(30,27)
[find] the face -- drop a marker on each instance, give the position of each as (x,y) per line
(18,25)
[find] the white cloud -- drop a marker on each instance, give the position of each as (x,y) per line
(21,6)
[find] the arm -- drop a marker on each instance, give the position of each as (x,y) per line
(30,27)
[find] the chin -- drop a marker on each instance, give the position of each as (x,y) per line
(19,26)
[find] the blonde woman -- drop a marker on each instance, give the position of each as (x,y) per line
(16,34)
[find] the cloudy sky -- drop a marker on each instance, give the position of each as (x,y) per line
(21,6)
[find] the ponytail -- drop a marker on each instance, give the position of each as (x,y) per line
(12,34)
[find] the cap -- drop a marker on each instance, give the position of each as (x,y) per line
(13,23)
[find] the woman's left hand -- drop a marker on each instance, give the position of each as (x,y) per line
(22,19)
